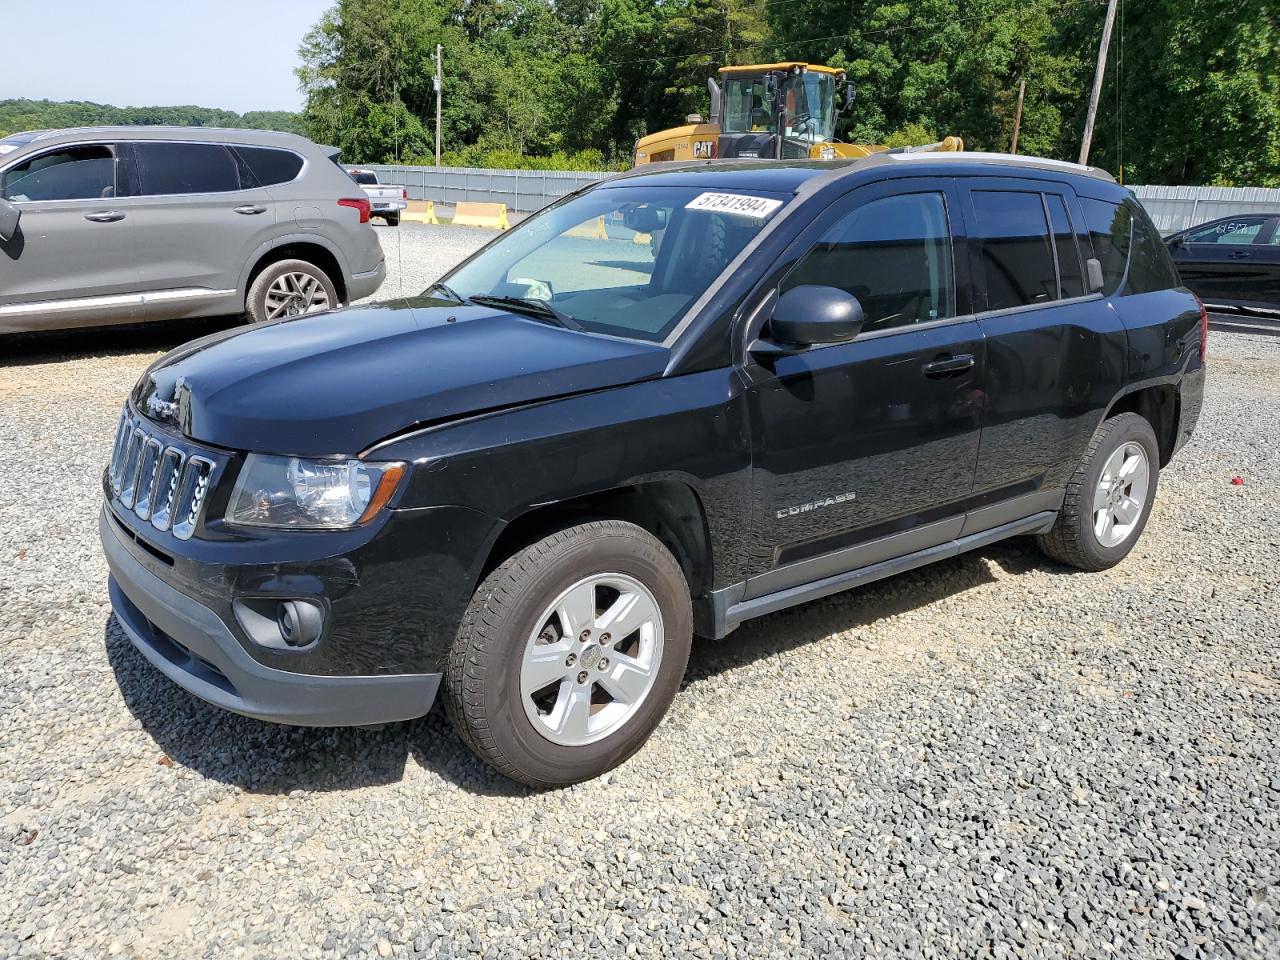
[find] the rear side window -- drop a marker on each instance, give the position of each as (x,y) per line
(269,166)
(893,254)
(1238,230)
(75,173)
(1110,225)
(1017,259)
(167,169)
(1150,266)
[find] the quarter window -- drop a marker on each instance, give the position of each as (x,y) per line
(179,168)
(76,173)
(893,254)
(1150,266)
(1110,225)
(1017,260)
(1235,230)
(269,166)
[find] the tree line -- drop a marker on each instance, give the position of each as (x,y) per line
(1192,94)
(18,115)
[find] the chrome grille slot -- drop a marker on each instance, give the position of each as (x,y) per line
(159,481)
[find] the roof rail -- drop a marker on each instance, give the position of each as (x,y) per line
(1005,158)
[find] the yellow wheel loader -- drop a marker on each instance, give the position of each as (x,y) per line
(768,111)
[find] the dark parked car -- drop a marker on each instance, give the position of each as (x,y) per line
(107,225)
(1232,262)
(532,485)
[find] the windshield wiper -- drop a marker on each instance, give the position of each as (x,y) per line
(529,305)
(448,292)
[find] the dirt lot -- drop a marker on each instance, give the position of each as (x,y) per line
(993,756)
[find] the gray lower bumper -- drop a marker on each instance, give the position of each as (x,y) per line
(363,285)
(188,643)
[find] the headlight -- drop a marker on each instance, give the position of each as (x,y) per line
(311,494)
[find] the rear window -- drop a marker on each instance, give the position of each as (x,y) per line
(269,166)
(167,169)
(1150,266)
(364,178)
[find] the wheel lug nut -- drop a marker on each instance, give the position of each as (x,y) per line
(586,634)
(604,663)
(582,677)
(570,660)
(604,639)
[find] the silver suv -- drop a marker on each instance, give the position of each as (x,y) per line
(125,224)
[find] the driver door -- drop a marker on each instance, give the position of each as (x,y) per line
(867,450)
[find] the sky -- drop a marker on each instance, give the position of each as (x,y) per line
(232,54)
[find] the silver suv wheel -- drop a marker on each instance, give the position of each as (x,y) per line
(293,294)
(1121,494)
(592,659)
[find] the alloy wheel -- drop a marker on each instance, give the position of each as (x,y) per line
(293,294)
(1121,494)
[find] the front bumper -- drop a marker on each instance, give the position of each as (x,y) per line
(188,642)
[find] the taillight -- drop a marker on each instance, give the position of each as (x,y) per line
(358,203)
(1204,327)
(404,194)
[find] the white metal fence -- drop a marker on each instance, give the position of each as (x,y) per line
(1172,208)
(1176,208)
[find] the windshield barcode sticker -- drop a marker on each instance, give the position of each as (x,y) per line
(734,203)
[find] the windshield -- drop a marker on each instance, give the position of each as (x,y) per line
(627,261)
(809,99)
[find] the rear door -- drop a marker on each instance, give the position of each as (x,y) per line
(1224,261)
(1055,352)
(73,260)
(865,450)
(200,217)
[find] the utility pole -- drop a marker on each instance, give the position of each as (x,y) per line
(438,82)
(1017,115)
(1087,142)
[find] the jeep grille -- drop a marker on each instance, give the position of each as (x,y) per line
(158,480)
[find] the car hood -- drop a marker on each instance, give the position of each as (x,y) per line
(336,383)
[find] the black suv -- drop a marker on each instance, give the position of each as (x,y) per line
(666,404)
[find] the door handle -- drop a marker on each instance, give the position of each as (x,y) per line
(104,216)
(251,208)
(1239,254)
(946,366)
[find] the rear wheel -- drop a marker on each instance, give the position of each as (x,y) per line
(1109,498)
(289,288)
(570,653)
(393,219)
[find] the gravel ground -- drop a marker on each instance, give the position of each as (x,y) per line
(992,756)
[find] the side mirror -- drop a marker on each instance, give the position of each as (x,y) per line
(849,91)
(809,315)
(9,217)
(1177,241)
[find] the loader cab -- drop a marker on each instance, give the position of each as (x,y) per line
(779,110)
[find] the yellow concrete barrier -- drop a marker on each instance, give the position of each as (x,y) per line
(421,211)
(589,229)
(481,215)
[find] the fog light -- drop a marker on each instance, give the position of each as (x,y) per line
(300,622)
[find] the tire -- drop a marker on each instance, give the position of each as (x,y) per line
(393,219)
(488,670)
(1076,539)
(317,293)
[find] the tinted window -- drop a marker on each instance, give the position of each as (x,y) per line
(1150,267)
(893,254)
(1234,230)
(1017,260)
(174,168)
(1070,277)
(269,166)
(77,173)
(1109,229)
(365,179)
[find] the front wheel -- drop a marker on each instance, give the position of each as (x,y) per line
(1109,498)
(570,653)
(289,288)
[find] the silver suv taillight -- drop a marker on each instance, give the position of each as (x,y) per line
(157,480)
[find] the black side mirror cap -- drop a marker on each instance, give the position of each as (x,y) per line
(9,217)
(810,315)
